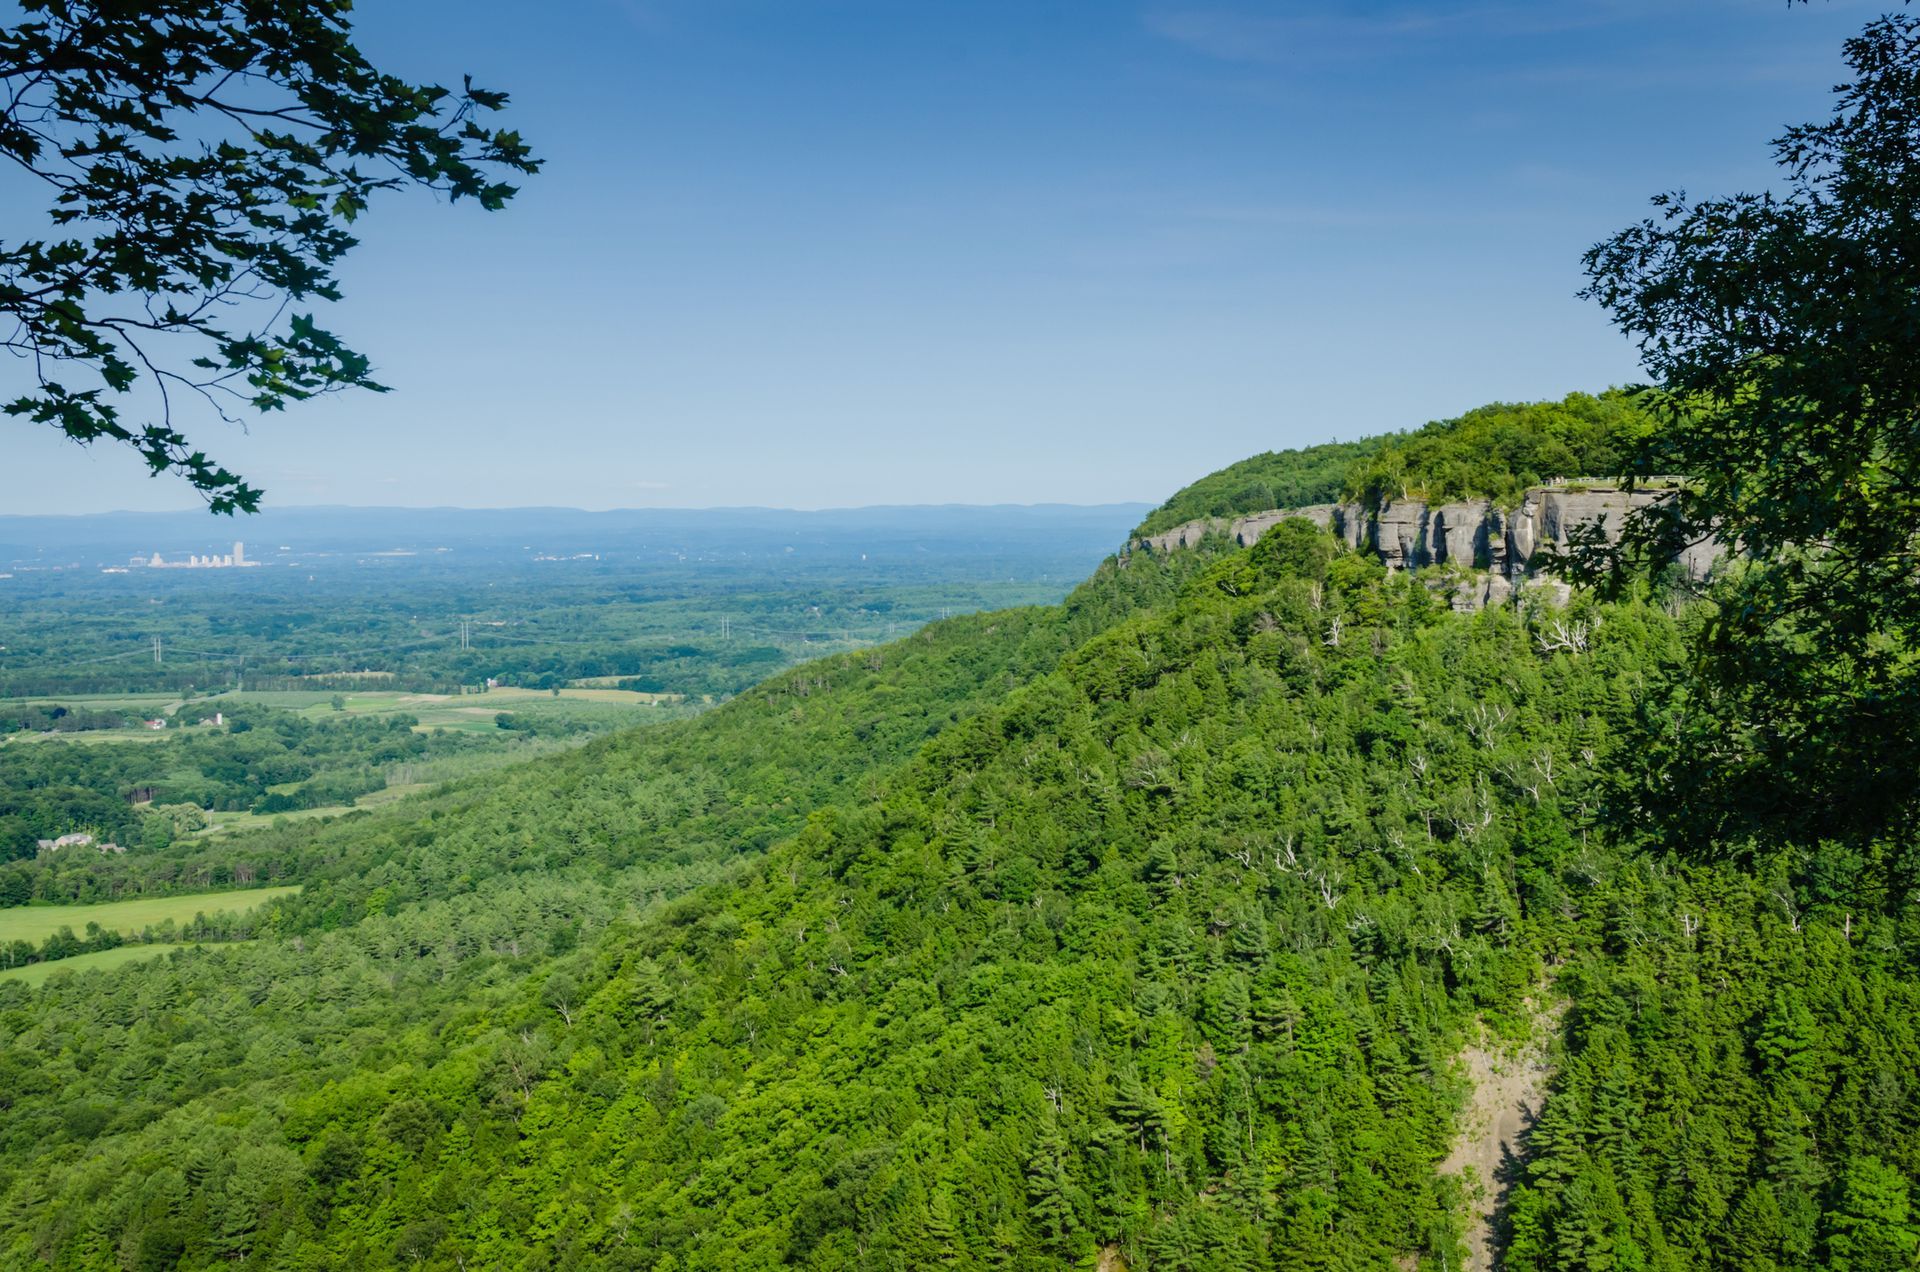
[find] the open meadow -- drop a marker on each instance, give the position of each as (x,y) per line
(221,822)
(470,712)
(98,961)
(458,711)
(35,923)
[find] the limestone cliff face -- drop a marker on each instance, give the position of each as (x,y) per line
(1410,534)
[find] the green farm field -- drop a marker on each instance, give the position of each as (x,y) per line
(613,682)
(473,712)
(459,713)
(87,737)
(98,961)
(143,702)
(35,923)
(222,822)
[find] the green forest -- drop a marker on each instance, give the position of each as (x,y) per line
(1190,921)
(1145,927)
(152,797)
(1497,451)
(1492,452)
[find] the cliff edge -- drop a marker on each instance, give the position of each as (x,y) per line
(1498,546)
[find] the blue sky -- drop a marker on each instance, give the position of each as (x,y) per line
(813,253)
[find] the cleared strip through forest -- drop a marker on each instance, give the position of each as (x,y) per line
(1509,1088)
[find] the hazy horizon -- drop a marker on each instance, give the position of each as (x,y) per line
(288,535)
(242,520)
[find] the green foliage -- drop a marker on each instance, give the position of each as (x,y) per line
(1158,935)
(20,717)
(206,158)
(524,872)
(278,763)
(1295,548)
(1779,328)
(653,628)
(1495,452)
(1736,1085)
(1871,1224)
(1276,479)
(1492,452)
(1149,924)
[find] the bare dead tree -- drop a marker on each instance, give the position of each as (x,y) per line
(1483,723)
(1328,879)
(1560,635)
(1399,843)
(1792,911)
(1515,776)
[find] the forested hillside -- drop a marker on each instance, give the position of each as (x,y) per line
(1146,928)
(1491,452)
(1276,479)
(1309,904)
(1496,451)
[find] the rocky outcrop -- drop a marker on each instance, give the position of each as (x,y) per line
(1244,531)
(1498,547)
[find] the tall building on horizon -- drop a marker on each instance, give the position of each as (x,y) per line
(198,562)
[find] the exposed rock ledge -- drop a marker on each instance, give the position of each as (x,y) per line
(1409,533)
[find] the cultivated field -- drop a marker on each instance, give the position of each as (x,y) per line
(87,737)
(611,682)
(462,713)
(220,821)
(145,703)
(471,712)
(35,923)
(99,961)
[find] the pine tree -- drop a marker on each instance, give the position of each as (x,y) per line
(943,1233)
(1871,1227)
(1753,1239)
(1050,1190)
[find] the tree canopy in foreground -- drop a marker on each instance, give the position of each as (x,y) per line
(203,161)
(1779,328)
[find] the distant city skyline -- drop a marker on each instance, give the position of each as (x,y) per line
(808,255)
(237,559)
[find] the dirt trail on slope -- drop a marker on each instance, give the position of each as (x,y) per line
(1509,1086)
